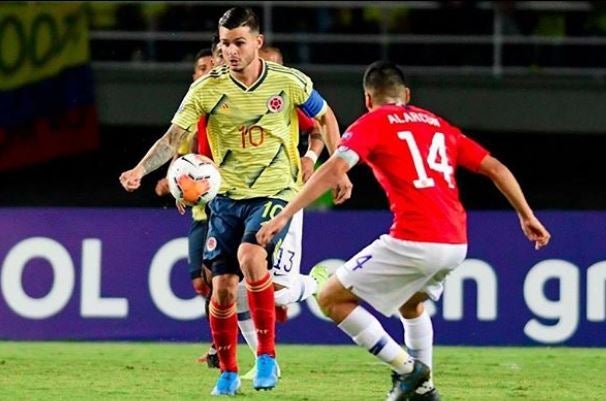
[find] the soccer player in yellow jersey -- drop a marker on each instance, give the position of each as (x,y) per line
(253,133)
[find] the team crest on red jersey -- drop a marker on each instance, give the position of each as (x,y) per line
(275,104)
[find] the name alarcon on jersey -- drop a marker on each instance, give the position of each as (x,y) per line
(413,117)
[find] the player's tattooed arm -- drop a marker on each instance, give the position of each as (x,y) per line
(157,155)
(164,149)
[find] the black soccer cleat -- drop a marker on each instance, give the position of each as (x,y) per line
(212,360)
(431,395)
(404,386)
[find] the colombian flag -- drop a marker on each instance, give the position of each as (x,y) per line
(47,106)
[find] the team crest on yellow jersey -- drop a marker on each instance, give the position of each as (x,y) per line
(275,104)
(211,243)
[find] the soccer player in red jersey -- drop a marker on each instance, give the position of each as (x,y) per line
(413,153)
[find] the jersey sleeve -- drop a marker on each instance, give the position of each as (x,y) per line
(361,137)
(305,96)
(203,145)
(470,153)
(191,108)
(185,146)
(306,123)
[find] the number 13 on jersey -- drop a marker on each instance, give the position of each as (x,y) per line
(436,160)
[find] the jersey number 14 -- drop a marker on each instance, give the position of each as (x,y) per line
(436,160)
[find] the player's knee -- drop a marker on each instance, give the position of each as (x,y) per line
(225,288)
(414,307)
(224,296)
(253,261)
(326,302)
(411,311)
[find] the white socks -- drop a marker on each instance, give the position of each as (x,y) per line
(302,287)
(366,331)
(245,322)
(418,337)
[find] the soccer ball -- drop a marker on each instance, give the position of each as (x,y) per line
(193,179)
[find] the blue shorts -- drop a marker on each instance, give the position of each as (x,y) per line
(196,238)
(233,222)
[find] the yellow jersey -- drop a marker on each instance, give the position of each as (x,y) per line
(185,146)
(198,213)
(253,132)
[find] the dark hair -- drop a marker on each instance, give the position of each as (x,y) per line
(240,16)
(383,76)
(203,53)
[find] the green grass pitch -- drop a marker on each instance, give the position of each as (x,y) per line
(56,371)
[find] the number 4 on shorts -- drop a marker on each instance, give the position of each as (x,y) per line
(361,260)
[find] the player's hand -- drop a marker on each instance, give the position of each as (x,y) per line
(535,232)
(181,207)
(162,187)
(200,287)
(307,168)
(269,229)
(131,179)
(343,190)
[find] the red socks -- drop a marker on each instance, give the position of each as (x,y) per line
(262,308)
(224,328)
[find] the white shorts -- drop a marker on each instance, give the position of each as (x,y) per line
(287,259)
(388,272)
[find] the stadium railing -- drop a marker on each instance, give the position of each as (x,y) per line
(474,38)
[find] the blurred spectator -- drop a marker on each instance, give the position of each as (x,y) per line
(348,21)
(596,21)
(550,24)
(101,14)
(507,12)
(454,17)
(596,26)
(306,21)
(129,17)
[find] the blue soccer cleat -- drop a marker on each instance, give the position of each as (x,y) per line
(404,386)
(266,377)
(250,375)
(228,384)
